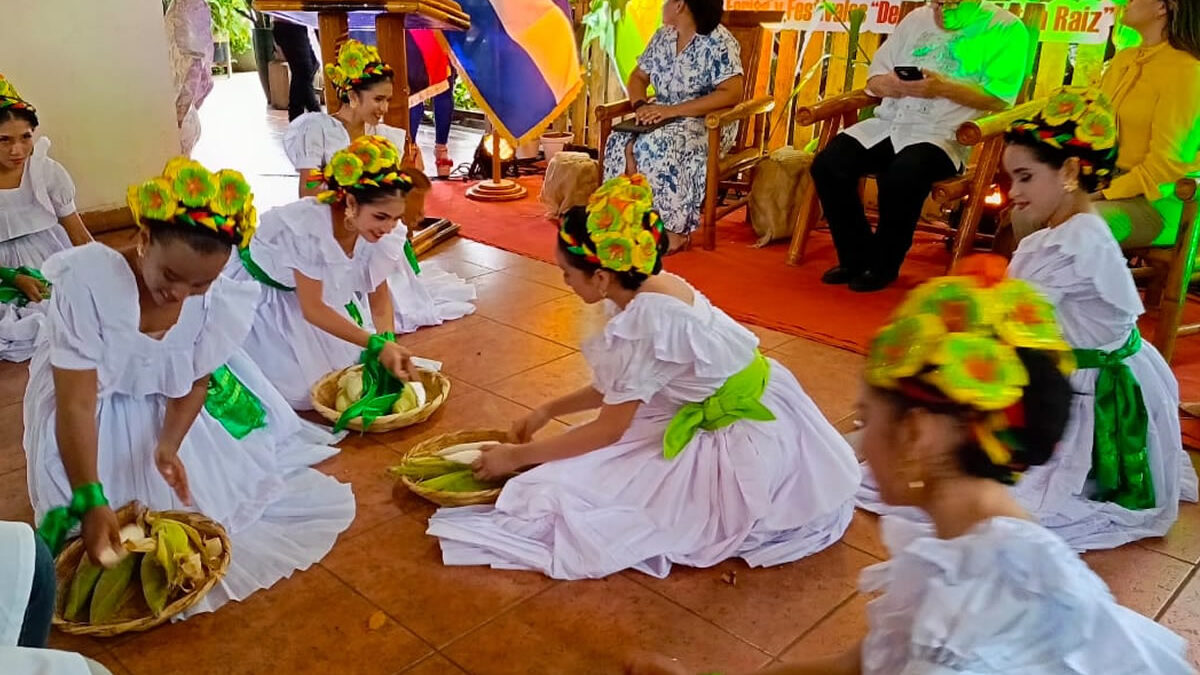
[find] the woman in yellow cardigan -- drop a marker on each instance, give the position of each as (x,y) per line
(1155,89)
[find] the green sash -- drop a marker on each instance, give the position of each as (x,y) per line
(233,405)
(261,277)
(9,293)
(412,257)
(737,399)
(1120,463)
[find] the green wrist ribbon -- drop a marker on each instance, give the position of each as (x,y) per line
(61,520)
(233,405)
(9,293)
(380,389)
(1120,460)
(738,399)
(412,257)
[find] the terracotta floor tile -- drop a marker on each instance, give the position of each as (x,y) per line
(769,339)
(435,665)
(489,352)
(108,660)
(12,455)
(1183,617)
(593,627)
(837,633)
(501,294)
(1183,539)
(482,254)
(1141,580)
(767,607)
(545,273)
(363,463)
(14,497)
(546,382)
(13,377)
(864,535)
(457,266)
(831,376)
(567,320)
(398,567)
(88,646)
(311,623)
(414,339)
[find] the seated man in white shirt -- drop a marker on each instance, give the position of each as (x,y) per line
(968,58)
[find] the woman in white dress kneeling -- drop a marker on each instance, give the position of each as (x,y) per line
(702,448)
(139,391)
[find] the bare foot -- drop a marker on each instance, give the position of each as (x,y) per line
(678,242)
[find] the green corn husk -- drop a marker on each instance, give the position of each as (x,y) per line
(80,592)
(154,584)
(425,467)
(458,481)
(110,594)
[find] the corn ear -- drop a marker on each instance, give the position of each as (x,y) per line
(80,590)
(458,481)
(154,584)
(110,594)
(172,546)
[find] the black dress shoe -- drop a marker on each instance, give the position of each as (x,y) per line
(869,282)
(839,275)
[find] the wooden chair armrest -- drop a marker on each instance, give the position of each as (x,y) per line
(975,131)
(946,191)
(610,111)
(832,107)
(1185,189)
(741,111)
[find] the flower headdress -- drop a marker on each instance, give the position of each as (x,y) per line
(188,194)
(369,161)
(1081,122)
(620,239)
(357,64)
(955,339)
(10,99)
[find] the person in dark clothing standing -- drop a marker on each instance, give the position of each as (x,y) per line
(297,50)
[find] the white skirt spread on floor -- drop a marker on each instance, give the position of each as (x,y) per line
(767,492)
(298,238)
(281,516)
(1080,267)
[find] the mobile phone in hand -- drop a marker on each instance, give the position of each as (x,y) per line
(909,73)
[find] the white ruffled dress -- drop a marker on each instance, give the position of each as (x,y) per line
(767,492)
(1007,598)
(1080,268)
(298,237)
(281,515)
(425,299)
(30,233)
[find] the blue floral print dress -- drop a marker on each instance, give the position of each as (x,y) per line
(673,157)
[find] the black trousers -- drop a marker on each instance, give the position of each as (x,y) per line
(297,50)
(904,180)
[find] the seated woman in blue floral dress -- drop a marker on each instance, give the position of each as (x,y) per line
(695,66)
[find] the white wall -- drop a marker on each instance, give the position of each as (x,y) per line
(97,72)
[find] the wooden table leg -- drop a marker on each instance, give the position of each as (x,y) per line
(333,28)
(389,30)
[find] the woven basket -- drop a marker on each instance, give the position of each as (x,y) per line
(136,616)
(439,443)
(324,397)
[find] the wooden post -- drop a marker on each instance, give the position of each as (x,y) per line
(497,165)
(333,27)
(389,32)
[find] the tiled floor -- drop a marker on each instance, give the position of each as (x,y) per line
(518,350)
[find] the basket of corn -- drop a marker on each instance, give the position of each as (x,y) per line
(171,559)
(439,469)
(339,392)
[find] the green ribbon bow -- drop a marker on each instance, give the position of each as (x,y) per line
(738,399)
(412,257)
(380,389)
(1120,463)
(9,293)
(233,405)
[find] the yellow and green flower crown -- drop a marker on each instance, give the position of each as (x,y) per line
(357,64)
(958,336)
(188,194)
(10,99)
(1077,119)
(369,161)
(620,238)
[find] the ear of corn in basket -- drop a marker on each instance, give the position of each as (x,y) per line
(448,470)
(371,391)
(163,560)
